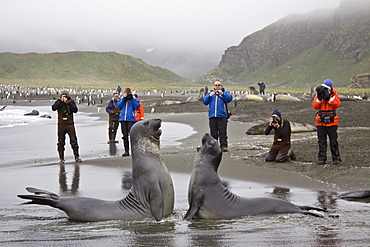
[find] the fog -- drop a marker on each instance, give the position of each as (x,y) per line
(180,35)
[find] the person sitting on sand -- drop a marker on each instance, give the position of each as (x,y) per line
(281,147)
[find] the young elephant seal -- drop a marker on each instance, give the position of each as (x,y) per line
(210,199)
(151,195)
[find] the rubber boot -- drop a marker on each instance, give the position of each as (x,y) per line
(126,147)
(77,156)
(61,157)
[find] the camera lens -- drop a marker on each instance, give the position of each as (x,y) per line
(68,97)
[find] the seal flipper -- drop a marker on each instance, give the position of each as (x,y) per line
(195,203)
(306,208)
(42,197)
(156,202)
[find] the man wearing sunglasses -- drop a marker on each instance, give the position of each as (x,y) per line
(217,101)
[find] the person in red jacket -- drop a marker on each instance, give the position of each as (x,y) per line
(326,102)
(139,113)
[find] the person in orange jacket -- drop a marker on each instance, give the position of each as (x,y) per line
(139,113)
(326,102)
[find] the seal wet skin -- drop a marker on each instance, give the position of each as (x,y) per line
(210,199)
(151,194)
(358,195)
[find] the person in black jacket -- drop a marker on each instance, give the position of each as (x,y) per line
(66,107)
(281,147)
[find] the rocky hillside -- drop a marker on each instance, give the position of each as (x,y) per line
(81,69)
(303,49)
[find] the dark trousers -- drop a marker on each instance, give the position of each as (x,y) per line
(322,133)
(112,129)
(218,127)
(64,129)
(125,128)
(278,153)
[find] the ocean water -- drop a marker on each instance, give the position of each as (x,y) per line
(33,138)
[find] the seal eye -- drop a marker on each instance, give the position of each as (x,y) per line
(146,123)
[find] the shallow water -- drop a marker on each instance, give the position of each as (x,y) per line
(35,225)
(32,138)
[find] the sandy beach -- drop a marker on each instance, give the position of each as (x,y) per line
(245,159)
(100,175)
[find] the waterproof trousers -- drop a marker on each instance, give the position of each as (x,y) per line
(125,128)
(322,133)
(218,128)
(63,129)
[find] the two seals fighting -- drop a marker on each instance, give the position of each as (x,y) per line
(210,199)
(151,195)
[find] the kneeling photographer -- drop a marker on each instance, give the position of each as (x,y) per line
(326,102)
(281,148)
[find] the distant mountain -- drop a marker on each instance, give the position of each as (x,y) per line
(303,49)
(81,69)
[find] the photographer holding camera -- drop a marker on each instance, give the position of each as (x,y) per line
(66,106)
(113,112)
(281,148)
(217,101)
(128,105)
(326,102)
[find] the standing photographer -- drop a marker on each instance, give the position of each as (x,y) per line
(66,107)
(217,101)
(281,147)
(128,104)
(326,102)
(113,112)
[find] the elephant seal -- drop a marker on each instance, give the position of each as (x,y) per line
(32,113)
(210,199)
(259,129)
(151,195)
(358,195)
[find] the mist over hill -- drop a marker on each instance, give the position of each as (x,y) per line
(302,49)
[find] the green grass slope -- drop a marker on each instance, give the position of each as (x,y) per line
(82,70)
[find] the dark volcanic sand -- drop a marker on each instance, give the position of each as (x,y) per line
(353,138)
(353,132)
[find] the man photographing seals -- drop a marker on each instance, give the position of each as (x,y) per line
(151,194)
(66,106)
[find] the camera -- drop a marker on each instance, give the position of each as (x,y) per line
(128,96)
(275,120)
(67,96)
(323,92)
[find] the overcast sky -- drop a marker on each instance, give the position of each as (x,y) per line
(122,25)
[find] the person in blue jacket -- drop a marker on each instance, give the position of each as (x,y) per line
(128,104)
(217,101)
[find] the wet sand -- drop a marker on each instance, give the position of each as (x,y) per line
(301,182)
(245,159)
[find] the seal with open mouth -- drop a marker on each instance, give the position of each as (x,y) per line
(151,194)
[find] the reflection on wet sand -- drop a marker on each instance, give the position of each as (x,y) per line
(112,149)
(63,181)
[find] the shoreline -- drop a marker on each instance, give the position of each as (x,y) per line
(245,160)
